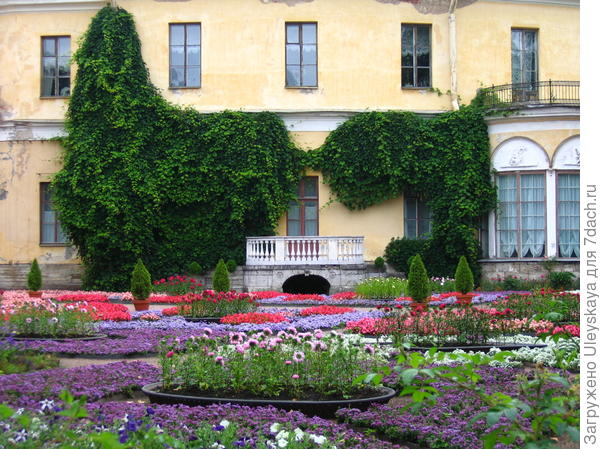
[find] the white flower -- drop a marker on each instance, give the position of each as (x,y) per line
(224,423)
(275,427)
(299,434)
(218,446)
(283,435)
(46,404)
(282,442)
(21,436)
(319,439)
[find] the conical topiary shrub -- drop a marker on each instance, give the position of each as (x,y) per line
(220,280)
(419,288)
(463,278)
(140,281)
(34,278)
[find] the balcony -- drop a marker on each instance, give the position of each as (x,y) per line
(306,250)
(539,93)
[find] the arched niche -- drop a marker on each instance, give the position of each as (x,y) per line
(306,284)
(566,156)
(519,153)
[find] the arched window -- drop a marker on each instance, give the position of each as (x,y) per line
(566,165)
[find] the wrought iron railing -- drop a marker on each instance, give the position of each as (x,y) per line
(539,93)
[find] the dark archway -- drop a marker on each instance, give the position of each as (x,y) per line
(307,284)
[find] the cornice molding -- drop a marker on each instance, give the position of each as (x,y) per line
(42,6)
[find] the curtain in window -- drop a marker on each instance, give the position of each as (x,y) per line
(568,215)
(533,216)
(507,216)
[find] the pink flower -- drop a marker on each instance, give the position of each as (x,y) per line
(298,357)
(219,360)
(288,362)
(169,354)
(295,376)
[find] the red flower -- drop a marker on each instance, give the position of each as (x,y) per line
(169,354)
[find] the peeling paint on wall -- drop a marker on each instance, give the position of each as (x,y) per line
(287,2)
(18,158)
(70,252)
(3,191)
(6,111)
(430,6)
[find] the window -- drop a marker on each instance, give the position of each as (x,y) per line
(416,55)
(51,230)
(303,214)
(521,215)
(56,66)
(301,55)
(417,218)
(568,214)
(184,55)
(524,64)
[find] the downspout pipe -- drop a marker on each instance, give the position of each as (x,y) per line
(452,39)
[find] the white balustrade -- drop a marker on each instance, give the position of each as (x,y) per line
(304,250)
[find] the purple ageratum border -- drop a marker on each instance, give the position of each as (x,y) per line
(252,420)
(94,381)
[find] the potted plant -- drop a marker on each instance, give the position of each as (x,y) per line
(140,286)
(34,280)
(419,287)
(463,279)
(220,280)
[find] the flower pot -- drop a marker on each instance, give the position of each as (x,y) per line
(141,304)
(35,294)
(324,409)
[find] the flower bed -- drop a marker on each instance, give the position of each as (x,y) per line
(326,310)
(78,297)
(100,311)
(254,318)
(94,381)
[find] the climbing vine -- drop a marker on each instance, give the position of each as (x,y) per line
(143,178)
(376,156)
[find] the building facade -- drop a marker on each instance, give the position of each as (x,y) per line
(316,63)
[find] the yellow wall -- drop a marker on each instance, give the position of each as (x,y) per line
(243,55)
(23,165)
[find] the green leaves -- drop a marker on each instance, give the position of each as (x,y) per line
(143,178)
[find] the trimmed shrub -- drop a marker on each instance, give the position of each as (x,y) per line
(398,251)
(34,278)
(379,263)
(220,280)
(194,268)
(419,288)
(463,278)
(140,281)
(231,265)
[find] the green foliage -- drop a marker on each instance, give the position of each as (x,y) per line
(34,278)
(377,156)
(194,268)
(144,177)
(419,287)
(382,288)
(399,251)
(231,265)
(220,280)
(140,281)
(463,277)
(561,280)
(379,263)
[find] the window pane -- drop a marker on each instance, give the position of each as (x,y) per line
(48,46)
(423,79)
(48,233)
(309,75)
(410,229)
(292,53)
(62,238)
(310,187)
(410,208)
(423,37)
(408,77)
(49,66)
(292,75)
(309,54)
(293,227)
(177,35)
(294,212)
(48,87)
(64,66)
(64,46)
(193,34)
(529,41)
(293,35)
(64,87)
(193,77)
(311,210)
(193,55)
(310,228)
(407,46)
(309,33)
(177,56)
(177,77)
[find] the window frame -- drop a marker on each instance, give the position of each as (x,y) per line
(185,62)
(419,203)
(557,218)
(521,50)
(43,186)
(519,230)
(300,201)
(57,76)
(300,43)
(414,66)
